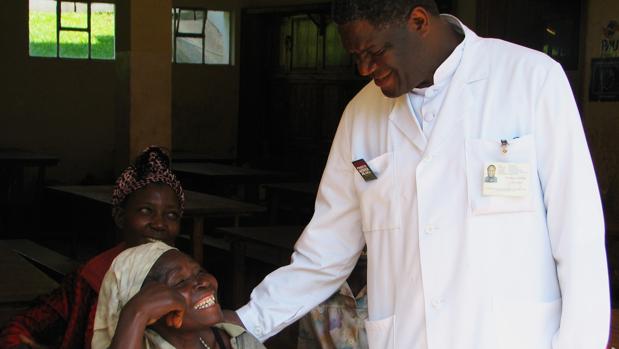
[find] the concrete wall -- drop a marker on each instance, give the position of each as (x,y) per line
(205,98)
(68,107)
(62,107)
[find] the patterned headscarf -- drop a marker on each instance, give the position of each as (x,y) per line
(122,281)
(152,166)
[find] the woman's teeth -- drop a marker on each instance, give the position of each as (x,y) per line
(205,303)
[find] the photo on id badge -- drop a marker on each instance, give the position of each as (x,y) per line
(506,179)
(491,172)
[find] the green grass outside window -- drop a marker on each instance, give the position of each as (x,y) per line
(73,44)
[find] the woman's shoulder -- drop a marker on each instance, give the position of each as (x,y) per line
(95,268)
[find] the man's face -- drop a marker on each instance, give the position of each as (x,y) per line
(491,171)
(394,56)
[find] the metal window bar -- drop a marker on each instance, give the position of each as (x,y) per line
(89,18)
(320,21)
(178,34)
(58,11)
(60,27)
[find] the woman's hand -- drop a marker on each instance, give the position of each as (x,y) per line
(30,343)
(155,301)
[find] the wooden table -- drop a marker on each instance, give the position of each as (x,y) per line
(299,196)
(18,157)
(22,283)
(198,206)
(16,160)
(269,244)
(49,261)
(211,176)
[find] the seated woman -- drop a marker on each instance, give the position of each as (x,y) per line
(339,322)
(154,296)
(147,204)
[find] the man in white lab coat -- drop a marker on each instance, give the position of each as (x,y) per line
(453,261)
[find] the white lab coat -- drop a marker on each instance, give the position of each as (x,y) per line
(494,272)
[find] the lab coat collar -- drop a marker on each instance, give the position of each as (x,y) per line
(457,102)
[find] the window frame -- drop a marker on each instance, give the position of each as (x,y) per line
(60,28)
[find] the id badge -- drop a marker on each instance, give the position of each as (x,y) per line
(506,179)
(364,170)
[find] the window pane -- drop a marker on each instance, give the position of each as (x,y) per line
(73,44)
(336,55)
(102,31)
(211,40)
(305,41)
(217,50)
(42,28)
(74,14)
(190,21)
(188,50)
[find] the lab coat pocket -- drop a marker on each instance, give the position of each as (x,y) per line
(377,197)
(381,333)
(480,153)
(525,324)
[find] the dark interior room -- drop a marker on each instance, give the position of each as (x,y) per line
(245,98)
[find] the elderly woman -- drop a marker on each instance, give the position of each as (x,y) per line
(154,296)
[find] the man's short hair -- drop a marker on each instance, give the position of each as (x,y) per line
(378,13)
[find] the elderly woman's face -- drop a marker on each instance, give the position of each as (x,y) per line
(150,213)
(199,288)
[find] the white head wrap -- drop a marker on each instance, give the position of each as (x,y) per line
(121,282)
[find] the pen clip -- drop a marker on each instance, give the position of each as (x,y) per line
(504,145)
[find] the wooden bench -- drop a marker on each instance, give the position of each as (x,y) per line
(50,262)
(210,241)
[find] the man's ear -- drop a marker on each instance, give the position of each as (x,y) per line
(119,218)
(419,21)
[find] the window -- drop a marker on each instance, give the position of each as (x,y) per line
(67,29)
(311,42)
(200,36)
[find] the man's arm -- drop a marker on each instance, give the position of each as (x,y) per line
(324,255)
(574,216)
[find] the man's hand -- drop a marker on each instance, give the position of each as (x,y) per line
(232,317)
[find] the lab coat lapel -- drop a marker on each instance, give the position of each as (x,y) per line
(402,117)
(459,100)
(456,106)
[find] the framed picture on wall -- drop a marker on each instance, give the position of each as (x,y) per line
(604,86)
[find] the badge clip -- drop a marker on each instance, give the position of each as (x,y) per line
(364,170)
